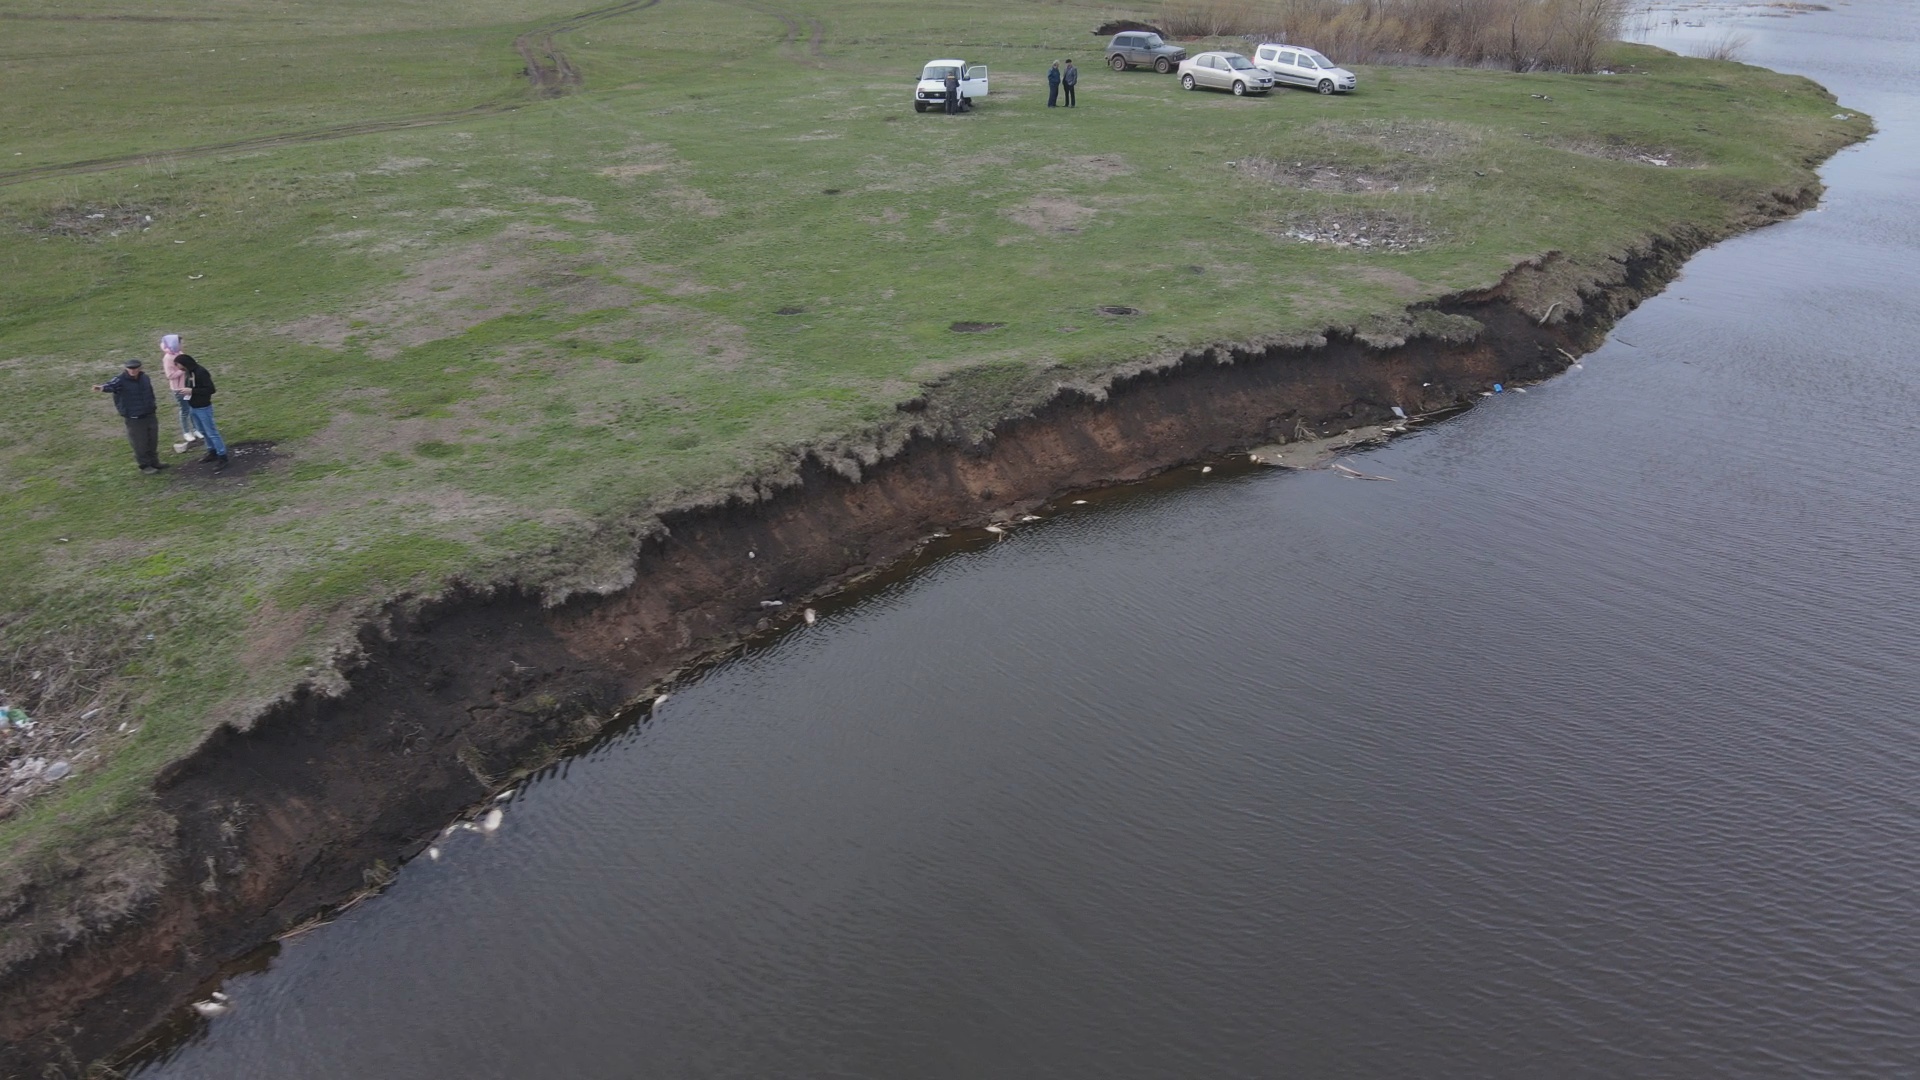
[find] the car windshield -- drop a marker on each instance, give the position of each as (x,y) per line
(1314,59)
(939,72)
(1237,62)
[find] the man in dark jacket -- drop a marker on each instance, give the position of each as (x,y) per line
(1070,80)
(200,400)
(1053,85)
(952,83)
(133,398)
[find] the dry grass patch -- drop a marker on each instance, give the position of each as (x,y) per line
(1052,214)
(1618,149)
(1088,167)
(1434,140)
(452,292)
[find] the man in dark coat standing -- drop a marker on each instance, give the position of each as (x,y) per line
(952,82)
(1070,79)
(133,398)
(1053,85)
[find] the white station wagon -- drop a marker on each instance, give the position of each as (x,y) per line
(1293,65)
(1224,71)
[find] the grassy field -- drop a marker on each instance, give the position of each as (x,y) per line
(481,345)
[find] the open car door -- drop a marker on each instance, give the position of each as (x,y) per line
(973,83)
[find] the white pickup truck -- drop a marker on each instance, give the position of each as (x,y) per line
(931,93)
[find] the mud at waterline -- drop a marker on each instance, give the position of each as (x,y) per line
(453,697)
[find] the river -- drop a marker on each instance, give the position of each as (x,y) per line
(1588,746)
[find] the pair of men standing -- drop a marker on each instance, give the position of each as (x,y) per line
(192,387)
(1058,80)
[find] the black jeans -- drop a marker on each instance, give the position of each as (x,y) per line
(1053,94)
(143,434)
(1068,87)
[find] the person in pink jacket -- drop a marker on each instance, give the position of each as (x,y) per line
(177,382)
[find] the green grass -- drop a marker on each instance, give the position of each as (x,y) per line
(475,341)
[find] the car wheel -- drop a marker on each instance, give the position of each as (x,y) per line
(1163,65)
(1326,86)
(1239,88)
(919,106)
(1186,82)
(1118,63)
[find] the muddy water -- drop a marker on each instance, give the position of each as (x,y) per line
(1585,747)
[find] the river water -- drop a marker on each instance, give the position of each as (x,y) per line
(1586,747)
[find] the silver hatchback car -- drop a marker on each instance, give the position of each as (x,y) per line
(1224,71)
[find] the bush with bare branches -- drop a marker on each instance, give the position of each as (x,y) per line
(1523,35)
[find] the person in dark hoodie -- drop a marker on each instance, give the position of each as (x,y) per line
(133,399)
(200,400)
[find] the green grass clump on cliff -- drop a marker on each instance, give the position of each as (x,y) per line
(473,343)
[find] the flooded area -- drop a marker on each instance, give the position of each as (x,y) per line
(1586,747)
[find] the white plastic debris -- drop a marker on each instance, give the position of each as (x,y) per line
(1399,412)
(211,1008)
(1206,468)
(433,852)
(810,616)
(1079,502)
(59,770)
(491,821)
(996,530)
(772,603)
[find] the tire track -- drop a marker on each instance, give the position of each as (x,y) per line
(548,68)
(816,30)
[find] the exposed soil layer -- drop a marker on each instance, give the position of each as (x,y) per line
(448,698)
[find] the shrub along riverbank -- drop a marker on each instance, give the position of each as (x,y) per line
(465,329)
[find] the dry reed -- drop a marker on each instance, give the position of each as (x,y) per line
(1521,35)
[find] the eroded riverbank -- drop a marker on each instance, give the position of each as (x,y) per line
(452,697)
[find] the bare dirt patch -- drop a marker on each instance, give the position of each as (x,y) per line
(1052,214)
(243,460)
(1360,228)
(1346,179)
(93,221)
(975,327)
